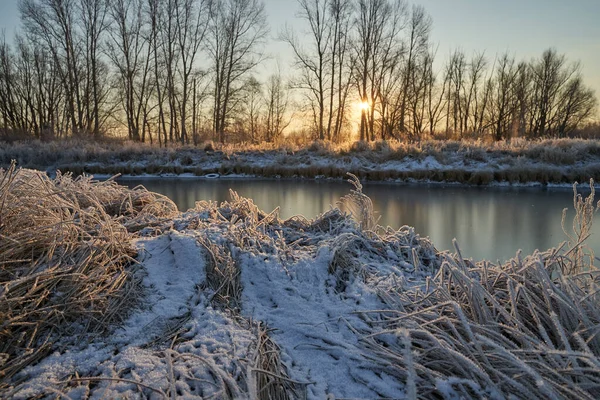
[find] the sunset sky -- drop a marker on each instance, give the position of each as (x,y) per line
(523,27)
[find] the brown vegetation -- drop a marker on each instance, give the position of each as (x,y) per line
(523,329)
(66,259)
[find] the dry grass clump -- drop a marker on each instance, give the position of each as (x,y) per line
(65,260)
(582,226)
(360,253)
(269,379)
(135,208)
(517,330)
(345,265)
(370,244)
(527,328)
(222,275)
(222,270)
(245,228)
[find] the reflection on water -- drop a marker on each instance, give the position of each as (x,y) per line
(490,223)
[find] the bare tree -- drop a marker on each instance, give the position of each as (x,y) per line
(163,15)
(8,97)
(72,31)
(458,74)
(317,68)
(79,59)
(49,92)
(92,14)
(550,74)
(236,30)
(277,101)
(53,22)
(435,95)
(419,28)
(522,93)
(26,90)
(340,15)
(502,110)
(417,104)
(130,53)
(454,74)
(253,109)
(191,27)
(472,95)
(577,103)
(154,11)
(377,49)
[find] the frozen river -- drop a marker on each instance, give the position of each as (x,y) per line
(488,222)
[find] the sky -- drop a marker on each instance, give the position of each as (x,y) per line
(524,28)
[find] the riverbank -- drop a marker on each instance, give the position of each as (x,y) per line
(558,161)
(110,292)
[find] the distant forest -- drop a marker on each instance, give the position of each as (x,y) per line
(186,71)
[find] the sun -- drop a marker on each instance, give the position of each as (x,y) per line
(364,105)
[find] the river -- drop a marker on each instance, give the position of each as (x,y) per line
(489,222)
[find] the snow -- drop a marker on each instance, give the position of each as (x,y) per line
(211,348)
(310,284)
(312,324)
(174,266)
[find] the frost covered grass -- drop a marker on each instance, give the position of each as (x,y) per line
(471,162)
(521,329)
(233,302)
(66,259)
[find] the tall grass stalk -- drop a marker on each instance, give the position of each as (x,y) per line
(581,228)
(359,205)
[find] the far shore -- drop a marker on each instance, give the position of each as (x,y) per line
(517,162)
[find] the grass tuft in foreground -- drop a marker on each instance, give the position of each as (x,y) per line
(66,261)
(518,329)
(527,328)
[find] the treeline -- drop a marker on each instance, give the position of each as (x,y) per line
(186,70)
(83,67)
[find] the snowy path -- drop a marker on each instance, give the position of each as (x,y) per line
(314,325)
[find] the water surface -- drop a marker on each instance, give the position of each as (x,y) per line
(488,222)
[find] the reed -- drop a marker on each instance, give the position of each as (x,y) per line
(497,331)
(523,329)
(222,275)
(359,205)
(269,379)
(66,259)
(526,328)
(581,228)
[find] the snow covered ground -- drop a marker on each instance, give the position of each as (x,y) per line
(236,303)
(303,281)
